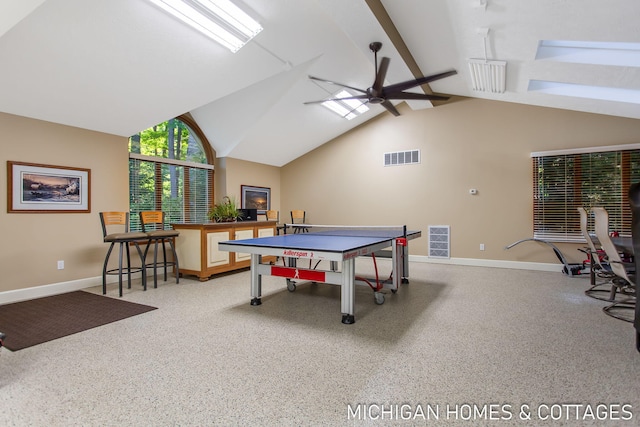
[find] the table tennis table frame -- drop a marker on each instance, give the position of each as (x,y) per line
(345,277)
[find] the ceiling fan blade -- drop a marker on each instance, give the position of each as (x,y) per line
(399,87)
(337,84)
(389,106)
(338,99)
(418,96)
(382,73)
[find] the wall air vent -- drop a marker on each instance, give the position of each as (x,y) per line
(439,241)
(397,158)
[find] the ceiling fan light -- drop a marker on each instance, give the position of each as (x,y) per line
(488,76)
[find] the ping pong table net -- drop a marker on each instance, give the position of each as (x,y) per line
(396,231)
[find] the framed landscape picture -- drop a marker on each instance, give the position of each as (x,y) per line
(256,198)
(37,188)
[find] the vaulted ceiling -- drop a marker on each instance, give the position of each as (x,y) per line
(120,66)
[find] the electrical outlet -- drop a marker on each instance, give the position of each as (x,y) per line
(482,246)
(60,265)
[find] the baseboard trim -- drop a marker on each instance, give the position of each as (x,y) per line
(496,263)
(17,295)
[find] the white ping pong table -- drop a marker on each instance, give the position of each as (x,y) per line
(336,244)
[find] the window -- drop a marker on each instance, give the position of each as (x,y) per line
(170,170)
(563,181)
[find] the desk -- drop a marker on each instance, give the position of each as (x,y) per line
(337,244)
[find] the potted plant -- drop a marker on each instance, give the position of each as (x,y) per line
(226,211)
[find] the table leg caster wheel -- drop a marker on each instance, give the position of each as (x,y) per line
(291,285)
(393,291)
(256,301)
(404,280)
(378,297)
(348,319)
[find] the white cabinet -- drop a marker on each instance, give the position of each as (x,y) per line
(241,235)
(197,246)
(216,258)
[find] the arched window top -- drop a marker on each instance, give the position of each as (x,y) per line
(171,169)
(173,139)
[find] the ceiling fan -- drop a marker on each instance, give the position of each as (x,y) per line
(380,94)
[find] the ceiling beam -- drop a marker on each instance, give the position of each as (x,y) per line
(378,10)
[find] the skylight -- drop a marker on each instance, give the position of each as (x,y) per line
(589,52)
(347,108)
(220,20)
(615,54)
(586,91)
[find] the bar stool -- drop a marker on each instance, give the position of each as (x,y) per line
(124,238)
(153,225)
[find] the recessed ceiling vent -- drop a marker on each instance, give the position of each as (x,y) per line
(397,158)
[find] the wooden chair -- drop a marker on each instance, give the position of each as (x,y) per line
(625,280)
(299,217)
(273,215)
(120,220)
(153,224)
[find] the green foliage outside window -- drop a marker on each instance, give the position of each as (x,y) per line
(564,182)
(158,184)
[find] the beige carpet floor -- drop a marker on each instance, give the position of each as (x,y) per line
(457,346)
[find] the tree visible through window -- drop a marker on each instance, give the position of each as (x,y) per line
(564,182)
(170,170)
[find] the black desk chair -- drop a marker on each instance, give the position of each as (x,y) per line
(115,230)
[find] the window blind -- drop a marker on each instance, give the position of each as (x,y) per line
(182,192)
(563,182)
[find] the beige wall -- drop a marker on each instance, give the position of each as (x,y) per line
(478,144)
(33,243)
(240,172)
